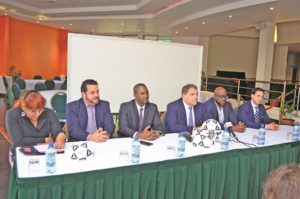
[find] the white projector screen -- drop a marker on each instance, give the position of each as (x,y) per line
(118,64)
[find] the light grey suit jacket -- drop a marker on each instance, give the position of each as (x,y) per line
(129,118)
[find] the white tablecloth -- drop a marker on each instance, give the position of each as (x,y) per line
(30,83)
(106,155)
(48,95)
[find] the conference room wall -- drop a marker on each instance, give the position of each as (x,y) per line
(35,49)
(230,53)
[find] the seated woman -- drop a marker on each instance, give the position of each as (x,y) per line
(30,123)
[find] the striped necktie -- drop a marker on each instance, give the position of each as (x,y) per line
(256,115)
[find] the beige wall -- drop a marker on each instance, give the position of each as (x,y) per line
(229,53)
(288,32)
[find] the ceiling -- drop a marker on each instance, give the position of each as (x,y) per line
(153,17)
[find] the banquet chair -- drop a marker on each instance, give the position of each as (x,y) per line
(37,77)
(56,78)
(40,86)
(63,86)
(50,84)
(21,83)
(59,105)
(10,96)
(16,91)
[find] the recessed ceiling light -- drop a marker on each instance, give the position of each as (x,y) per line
(70,24)
(13,10)
(122,24)
(37,21)
(271,8)
(62,27)
(5,13)
(2,8)
(176,32)
(230,16)
(186,27)
(203,23)
(92,30)
(139,30)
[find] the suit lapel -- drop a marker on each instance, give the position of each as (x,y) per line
(181,109)
(250,108)
(83,113)
(215,109)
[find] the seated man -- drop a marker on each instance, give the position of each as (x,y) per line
(253,112)
(89,118)
(219,109)
(185,113)
(140,116)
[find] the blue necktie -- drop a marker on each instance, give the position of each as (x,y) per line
(190,122)
(256,115)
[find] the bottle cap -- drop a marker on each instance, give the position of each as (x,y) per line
(50,144)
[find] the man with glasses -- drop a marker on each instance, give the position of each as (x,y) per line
(219,109)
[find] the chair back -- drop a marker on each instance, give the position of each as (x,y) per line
(59,104)
(37,77)
(21,83)
(40,86)
(10,96)
(56,78)
(50,84)
(63,86)
(16,91)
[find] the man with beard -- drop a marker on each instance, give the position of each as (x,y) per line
(89,118)
(139,116)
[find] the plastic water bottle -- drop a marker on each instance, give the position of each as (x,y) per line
(135,150)
(50,159)
(261,135)
(225,139)
(295,135)
(181,145)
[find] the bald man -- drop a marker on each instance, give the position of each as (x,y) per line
(219,109)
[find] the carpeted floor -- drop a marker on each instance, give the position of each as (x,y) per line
(4,148)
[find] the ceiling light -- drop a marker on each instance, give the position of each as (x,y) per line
(2,8)
(176,32)
(139,30)
(230,16)
(5,13)
(13,10)
(186,27)
(271,8)
(62,27)
(70,24)
(92,30)
(203,23)
(122,24)
(37,21)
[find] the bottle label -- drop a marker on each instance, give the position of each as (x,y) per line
(261,136)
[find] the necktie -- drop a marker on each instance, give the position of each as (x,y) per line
(91,126)
(190,122)
(141,119)
(256,115)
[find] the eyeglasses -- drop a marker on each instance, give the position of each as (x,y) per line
(36,111)
(223,97)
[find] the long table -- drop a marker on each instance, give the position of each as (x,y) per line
(204,173)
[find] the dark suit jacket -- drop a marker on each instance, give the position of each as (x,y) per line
(246,115)
(77,119)
(211,112)
(129,118)
(176,117)
(23,133)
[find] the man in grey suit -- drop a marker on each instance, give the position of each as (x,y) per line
(139,116)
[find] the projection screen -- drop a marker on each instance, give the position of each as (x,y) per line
(118,64)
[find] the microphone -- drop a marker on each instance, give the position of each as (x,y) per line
(229,126)
(187,136)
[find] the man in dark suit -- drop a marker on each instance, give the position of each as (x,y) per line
(253,112)
(219,109)
(185,113)
(89,118)
(140,116)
